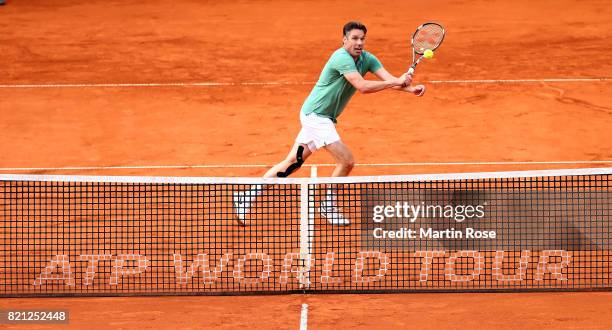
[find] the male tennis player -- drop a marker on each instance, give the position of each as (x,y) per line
(340,78)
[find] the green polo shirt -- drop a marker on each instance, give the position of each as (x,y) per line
(332,92)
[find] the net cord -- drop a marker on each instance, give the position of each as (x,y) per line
(299,181)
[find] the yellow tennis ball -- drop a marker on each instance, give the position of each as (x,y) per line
(428,53)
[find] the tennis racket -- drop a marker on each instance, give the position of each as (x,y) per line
(427,36)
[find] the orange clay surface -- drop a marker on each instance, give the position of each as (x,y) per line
(288,42)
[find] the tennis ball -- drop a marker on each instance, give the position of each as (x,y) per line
(428,53)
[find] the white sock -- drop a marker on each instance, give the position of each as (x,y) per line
(255,191)
(330,197)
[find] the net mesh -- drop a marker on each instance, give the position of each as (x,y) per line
(141,236)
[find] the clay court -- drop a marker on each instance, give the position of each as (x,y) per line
(213,89)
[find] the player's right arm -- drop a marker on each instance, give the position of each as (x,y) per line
(373,86)
(417,90)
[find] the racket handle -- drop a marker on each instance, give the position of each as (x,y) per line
(411,70)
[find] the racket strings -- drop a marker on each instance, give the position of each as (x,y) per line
(429,36)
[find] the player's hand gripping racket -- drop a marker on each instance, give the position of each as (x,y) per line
(427,38)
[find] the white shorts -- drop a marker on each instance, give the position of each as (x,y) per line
(316,131)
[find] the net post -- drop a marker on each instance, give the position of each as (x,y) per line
(311,213)
(306,225)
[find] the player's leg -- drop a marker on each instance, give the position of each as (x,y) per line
(316,132)
(294,160)
(343,156)
(344,165)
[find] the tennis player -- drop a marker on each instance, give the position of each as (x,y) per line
(342,75)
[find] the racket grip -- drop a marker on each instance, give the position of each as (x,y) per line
(411,71)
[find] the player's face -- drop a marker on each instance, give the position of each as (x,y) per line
(354,41)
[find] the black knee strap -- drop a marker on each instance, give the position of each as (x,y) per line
(293,167)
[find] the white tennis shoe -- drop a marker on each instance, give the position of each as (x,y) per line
(330,211)
(242,206)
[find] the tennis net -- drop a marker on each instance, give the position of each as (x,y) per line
(499,231)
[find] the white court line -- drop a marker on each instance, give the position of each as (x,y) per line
(87,168)
(501,81)
(288,83)
(174,84)
(304,317)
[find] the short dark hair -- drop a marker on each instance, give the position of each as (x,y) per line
(353,26)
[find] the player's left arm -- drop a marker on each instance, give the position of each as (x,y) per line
(417,90)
